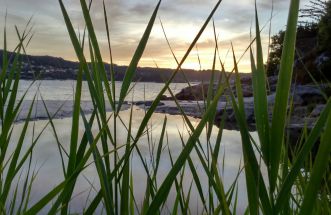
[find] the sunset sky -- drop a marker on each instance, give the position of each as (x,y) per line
(182,20)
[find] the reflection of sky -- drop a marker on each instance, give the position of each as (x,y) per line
(47,157)
(182,19)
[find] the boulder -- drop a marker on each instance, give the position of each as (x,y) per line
(230,120)
(165,98)
(321,59)
(197,92)
(246,80)
(317,110)
(309,94)
(273,80)
(147,103)
(247,91)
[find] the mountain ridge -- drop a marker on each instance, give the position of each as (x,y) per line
(57,68)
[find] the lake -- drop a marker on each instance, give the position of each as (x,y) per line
(46,157)
(63,90)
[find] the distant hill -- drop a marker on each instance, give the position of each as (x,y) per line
(54,68)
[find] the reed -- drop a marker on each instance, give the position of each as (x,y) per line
(280,192)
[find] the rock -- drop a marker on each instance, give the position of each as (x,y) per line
(298,115)
(250,117)
(309,94)
(303,95)
(246,80)
(190,108)
(197,92)
(231,122)
(200,91)
(308,103)
(297,100)
(147,103)
(317,110)
(273,80)
(321,59)
(247,91)
(165,98)
(230,119)
(326,88)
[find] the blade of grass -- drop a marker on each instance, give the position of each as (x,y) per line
(13,164)
(93,38)
(282,93)
(158,98)
(301,157)
(163,191)
(319,168)
(126,172)
(253,174)
(260,94)
(100,167)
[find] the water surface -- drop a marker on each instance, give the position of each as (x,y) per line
(63,89)
(46,157)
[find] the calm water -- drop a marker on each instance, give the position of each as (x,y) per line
(63,90)
(46,157)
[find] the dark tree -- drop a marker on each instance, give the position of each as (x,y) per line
(324,42)
(313,11)
(313,44)
(276,48)
(324,36)
(306,42)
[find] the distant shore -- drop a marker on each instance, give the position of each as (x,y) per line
(55,68)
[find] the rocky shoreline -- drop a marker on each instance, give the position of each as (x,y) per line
(308,102)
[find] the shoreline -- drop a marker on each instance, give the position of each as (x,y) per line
(59,109)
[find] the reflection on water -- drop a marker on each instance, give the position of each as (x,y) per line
(46,157)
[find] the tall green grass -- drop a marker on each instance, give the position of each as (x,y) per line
(286,189)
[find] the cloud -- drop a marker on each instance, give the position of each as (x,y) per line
(128,19)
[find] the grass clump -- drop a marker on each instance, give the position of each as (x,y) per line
(277,192)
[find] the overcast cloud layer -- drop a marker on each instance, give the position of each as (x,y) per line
(182,19)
